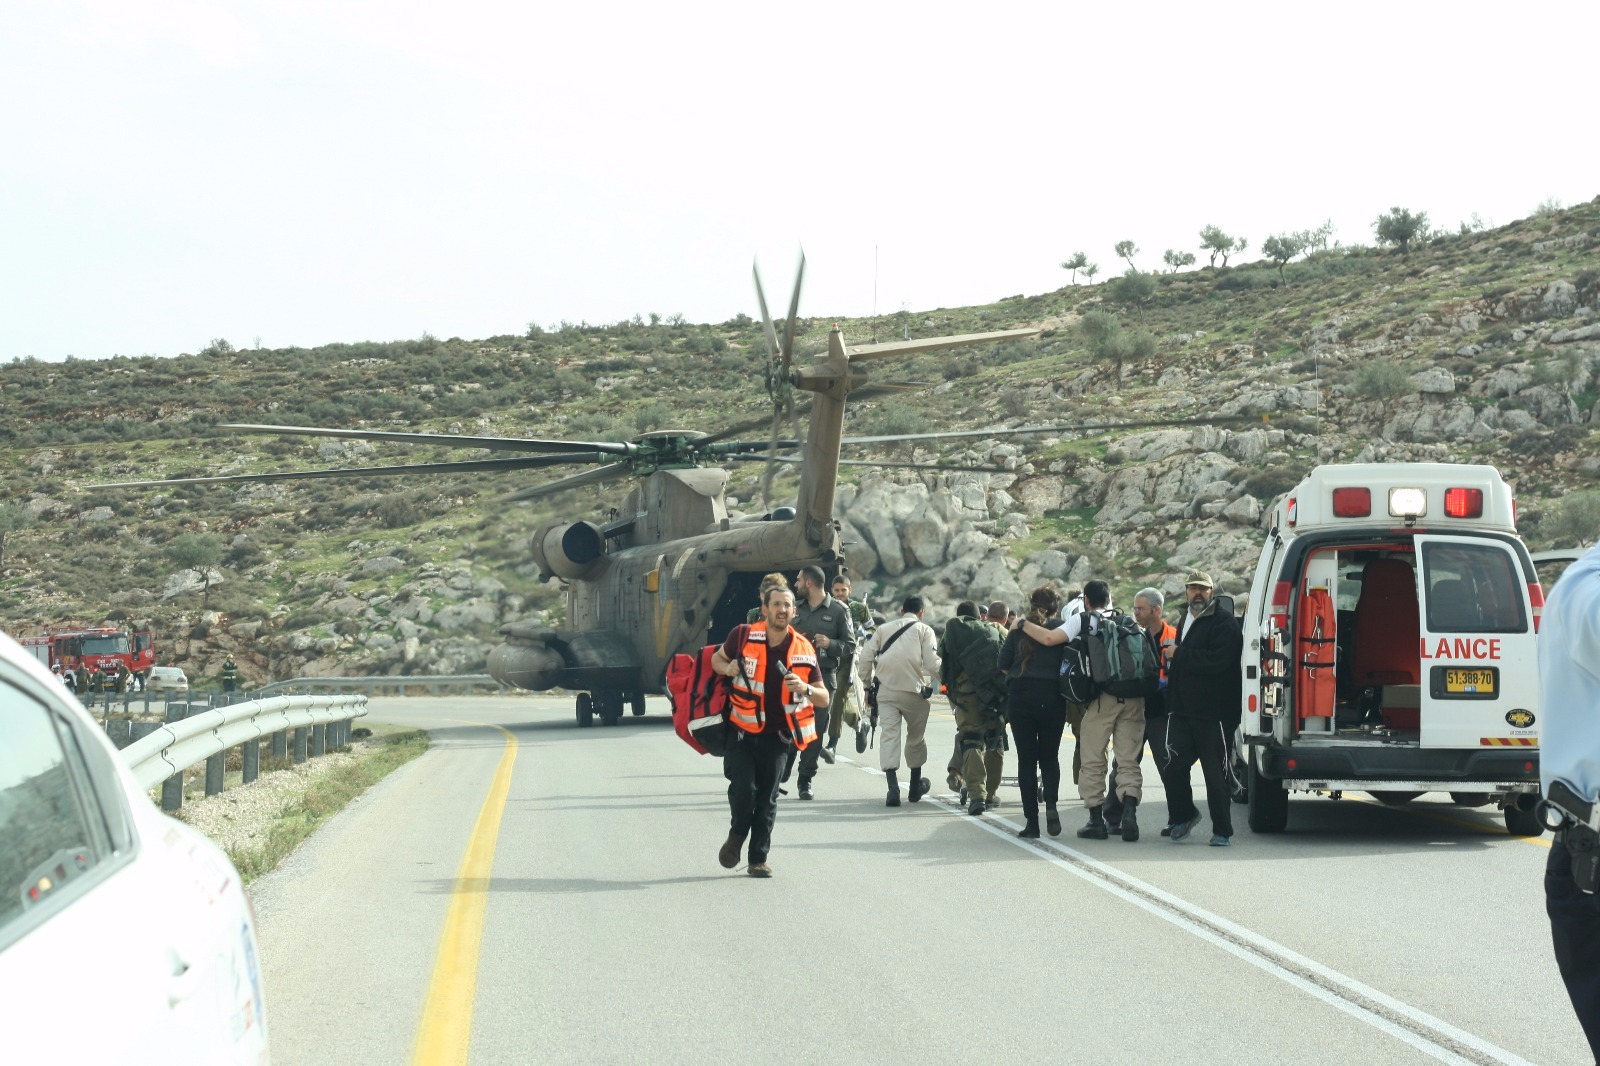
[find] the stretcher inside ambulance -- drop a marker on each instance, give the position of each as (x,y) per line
(1389,644)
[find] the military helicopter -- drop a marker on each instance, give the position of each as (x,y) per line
(673,570)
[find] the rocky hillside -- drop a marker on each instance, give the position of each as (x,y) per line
(1478,346)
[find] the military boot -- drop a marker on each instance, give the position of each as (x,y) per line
(1130,819)
(893,799)
(1096,829)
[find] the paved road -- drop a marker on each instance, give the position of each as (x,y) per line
(609,933)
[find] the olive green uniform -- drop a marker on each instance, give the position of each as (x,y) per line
(978,703)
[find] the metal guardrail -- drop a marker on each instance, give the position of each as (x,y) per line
(205,734)
(372,685)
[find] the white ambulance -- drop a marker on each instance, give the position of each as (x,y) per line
(1389,644)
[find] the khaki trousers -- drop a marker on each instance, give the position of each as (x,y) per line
(904,717)
(1121,723)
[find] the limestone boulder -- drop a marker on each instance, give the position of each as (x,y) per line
(1434,381)
(923,536)
(858,550)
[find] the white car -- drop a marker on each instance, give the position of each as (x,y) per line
(166,679)
(125,936)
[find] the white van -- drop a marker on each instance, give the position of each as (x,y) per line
(1389,644)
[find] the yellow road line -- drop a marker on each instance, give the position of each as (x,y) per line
(446,1028)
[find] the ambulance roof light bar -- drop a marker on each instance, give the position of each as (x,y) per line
(1410,504)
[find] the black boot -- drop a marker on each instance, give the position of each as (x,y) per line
(1052,819)
(894,789)
(1096,829)
(920,785)
(1030,830)
(1130,819)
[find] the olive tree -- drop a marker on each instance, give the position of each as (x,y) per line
(1107,341)
(1127,250)
(1213,240)
(1078,262)
(1134,289)
(1177,260)
(198,552)
(1281,248)
(1400,227)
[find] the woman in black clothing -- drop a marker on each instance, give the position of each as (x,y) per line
(1036,710)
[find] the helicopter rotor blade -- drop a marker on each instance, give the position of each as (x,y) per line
(452,440)
(598,475)
(766,323)
(876,388)
(1059,427)
(862,352)
(789,322)
(471,466)
(949,467)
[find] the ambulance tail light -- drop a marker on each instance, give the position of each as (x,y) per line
(1291,511)
(1280,604)
(1536,598)
(1352,503)
(1463,503)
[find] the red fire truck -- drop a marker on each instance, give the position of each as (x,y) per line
(96,650)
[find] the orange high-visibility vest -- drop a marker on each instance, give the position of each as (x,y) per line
(1168,632)
(747,693)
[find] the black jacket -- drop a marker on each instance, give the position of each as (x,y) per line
(1203,672)
(1043,663)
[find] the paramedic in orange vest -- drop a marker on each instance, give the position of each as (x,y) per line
(776,683)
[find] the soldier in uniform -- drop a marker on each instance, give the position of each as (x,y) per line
(230,674)
(969,655)
(843,702)
(825,622)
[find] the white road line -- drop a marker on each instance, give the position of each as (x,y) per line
(1432,1036)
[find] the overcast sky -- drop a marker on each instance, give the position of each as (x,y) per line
(177,170)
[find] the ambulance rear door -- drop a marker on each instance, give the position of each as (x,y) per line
(1480,679)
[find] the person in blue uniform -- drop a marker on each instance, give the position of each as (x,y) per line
(1569,753)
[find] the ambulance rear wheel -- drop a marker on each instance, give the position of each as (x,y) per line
(1470,799)
(1523,823)
(638,704)
(1268,802)
(1394,799)
(585,710)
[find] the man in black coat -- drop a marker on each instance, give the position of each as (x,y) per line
(1202,701)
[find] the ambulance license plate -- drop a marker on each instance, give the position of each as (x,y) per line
(1460,680)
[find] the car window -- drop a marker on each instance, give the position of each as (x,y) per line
(1472,588)
(47,836)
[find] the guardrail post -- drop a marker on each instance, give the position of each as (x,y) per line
(214,765)
(301,736)
(119,732)
(280,745)
(252,760)
(319,739)
(172,787)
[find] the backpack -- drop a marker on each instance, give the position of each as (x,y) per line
(699,701)
(1077,681)
(1121,660)
(979,660)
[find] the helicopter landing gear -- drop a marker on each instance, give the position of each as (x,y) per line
(585,710)
(638,704)
(609,704)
